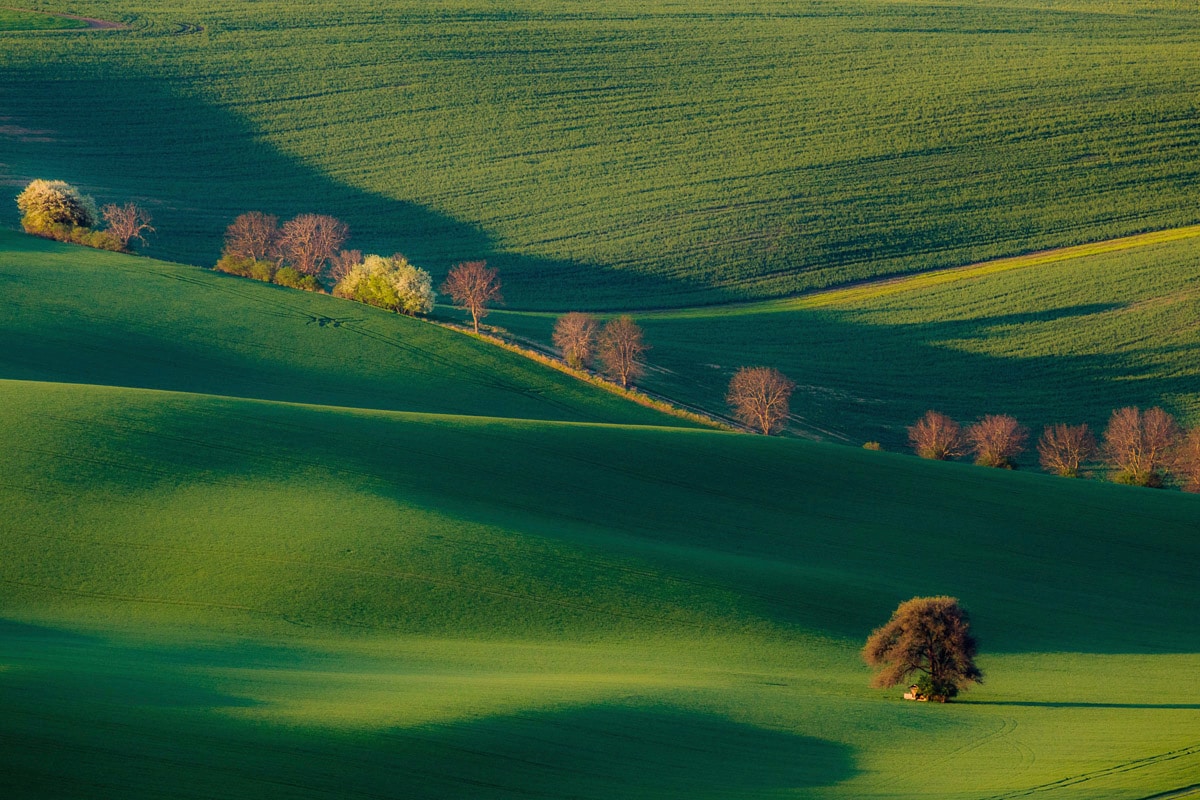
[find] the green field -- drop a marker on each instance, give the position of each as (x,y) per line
(1047,341)
(12,19)
(630,154)
(211,593)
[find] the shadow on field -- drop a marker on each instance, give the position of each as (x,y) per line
(863,379)
(105,719)
(121,135)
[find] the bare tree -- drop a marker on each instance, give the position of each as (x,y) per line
(308,241)
(127,222)
(621,349)
(252,236)
(1186,461)
(471,285)
(1064,448)
(997,440)
(1138,445)
(936,436)
(575,336)
(930,636)
(759,398)
(346,260)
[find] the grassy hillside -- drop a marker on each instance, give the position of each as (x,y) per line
(630,155)
(221,596)
(1044,340)
(85,316)
(12,19)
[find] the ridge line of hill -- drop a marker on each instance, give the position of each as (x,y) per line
(895,284)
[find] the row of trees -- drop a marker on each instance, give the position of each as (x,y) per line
(619,345)
(1141,447)
(58,210)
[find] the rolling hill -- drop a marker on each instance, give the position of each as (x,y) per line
(207,593)
(1048,338)
(634,155)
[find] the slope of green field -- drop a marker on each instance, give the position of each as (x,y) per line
(1053,341)
(224,597)
(12,19)
(629,154)
(86,316)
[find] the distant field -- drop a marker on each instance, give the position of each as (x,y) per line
(1044,340)
(15,20)
(629,155)
(218,597)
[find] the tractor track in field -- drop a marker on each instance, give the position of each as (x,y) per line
(1116,769)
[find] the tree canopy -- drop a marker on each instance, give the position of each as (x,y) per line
(929,637)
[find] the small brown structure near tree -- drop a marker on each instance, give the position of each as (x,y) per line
(474,287)
(759,398)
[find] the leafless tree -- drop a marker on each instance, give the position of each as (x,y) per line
(575,336)
(252,236)
(1138,445)
(620,350)
(1186,461)
(759,398)
(930,636)
(308,241)
(127,222)
(997,440)
(936,436)
(473,286)
(1064,448)
(341,264)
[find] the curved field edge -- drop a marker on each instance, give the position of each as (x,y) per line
(253,592)
(639,156)
(86,316)
(1062,336)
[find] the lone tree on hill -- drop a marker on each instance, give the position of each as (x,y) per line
(759,398)
(127,222)
(1063,449)
(1139,445)
(621,349)
(474,287)
(308,241)
(997,440)
(252,236)
(929,636)
(575,336)
(936,436)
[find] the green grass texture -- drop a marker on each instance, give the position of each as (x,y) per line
(209,596)
(1046,339)
(12,19)
(633,155)
(86,316)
